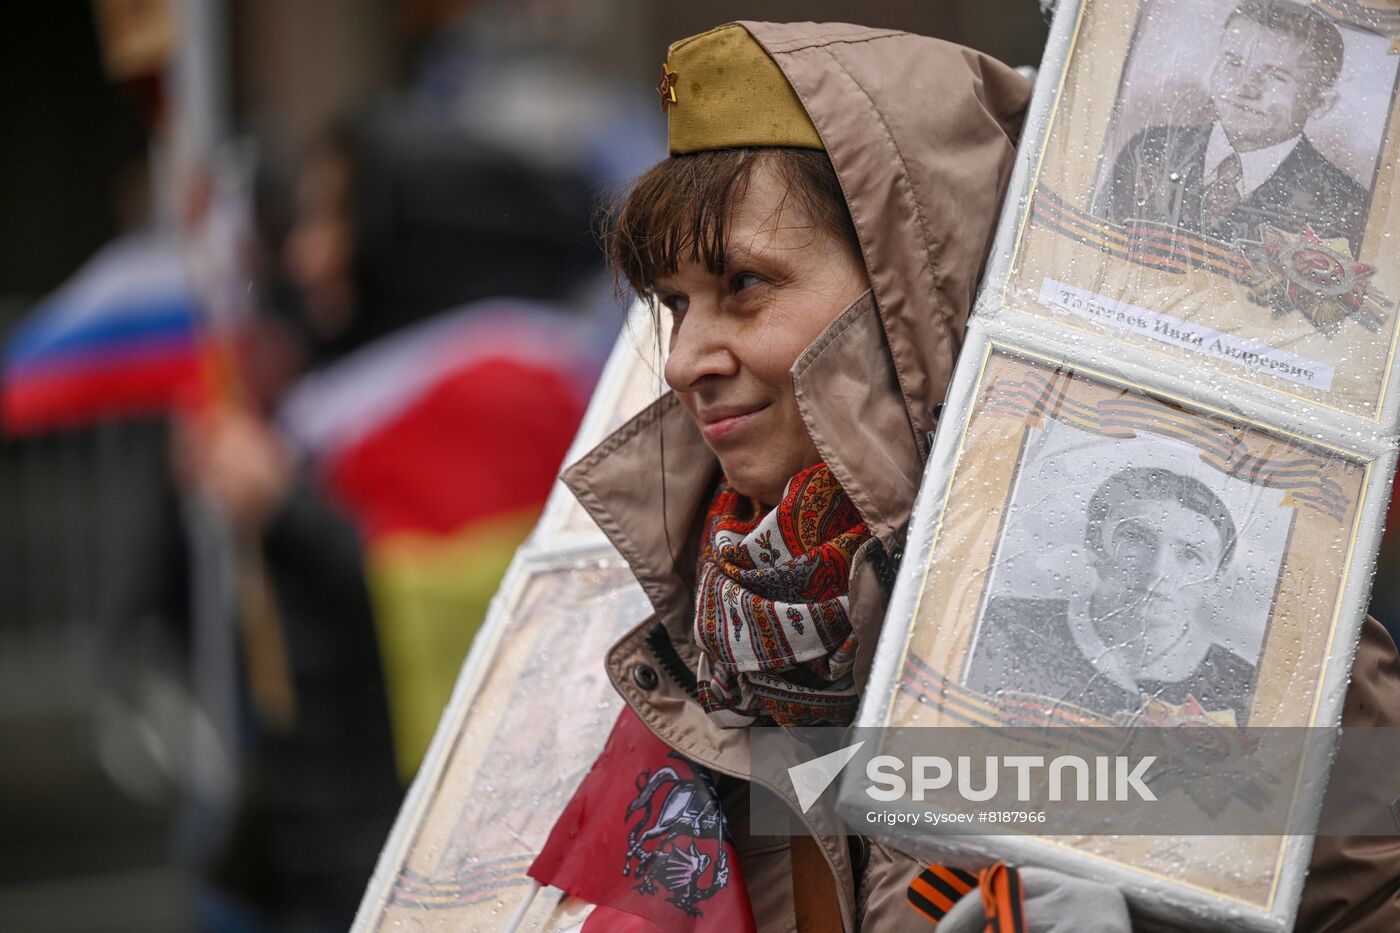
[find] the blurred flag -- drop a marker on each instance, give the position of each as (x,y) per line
(119,338)
(645,836)
(442,441)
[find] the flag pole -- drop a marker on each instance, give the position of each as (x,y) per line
(518,917)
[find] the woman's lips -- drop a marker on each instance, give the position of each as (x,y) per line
(723,425)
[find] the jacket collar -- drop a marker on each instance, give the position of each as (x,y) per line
(848,393)
(644,486)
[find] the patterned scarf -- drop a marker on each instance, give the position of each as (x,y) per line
(771,605)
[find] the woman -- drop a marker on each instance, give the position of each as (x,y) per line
(818,234)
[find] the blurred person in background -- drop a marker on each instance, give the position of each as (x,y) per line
(441,294)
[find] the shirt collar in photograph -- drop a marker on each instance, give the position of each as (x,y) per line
(1257,165)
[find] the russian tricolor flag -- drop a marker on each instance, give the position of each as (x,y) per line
(119,338)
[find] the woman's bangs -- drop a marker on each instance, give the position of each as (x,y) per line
(678,211)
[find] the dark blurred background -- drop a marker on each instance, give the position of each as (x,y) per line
(328,174)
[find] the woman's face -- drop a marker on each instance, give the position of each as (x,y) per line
(737,333)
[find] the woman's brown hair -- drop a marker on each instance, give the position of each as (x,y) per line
(681,207)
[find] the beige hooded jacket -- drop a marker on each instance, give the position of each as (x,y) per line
(922,135)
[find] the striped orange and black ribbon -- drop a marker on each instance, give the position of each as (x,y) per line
(1222,446)
(1383,18)
(938,887)
(1160,246)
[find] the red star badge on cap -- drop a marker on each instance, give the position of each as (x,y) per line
(667,88)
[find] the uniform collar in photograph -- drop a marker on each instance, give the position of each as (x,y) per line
(1112,661)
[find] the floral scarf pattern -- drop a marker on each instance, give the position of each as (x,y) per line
(771,615)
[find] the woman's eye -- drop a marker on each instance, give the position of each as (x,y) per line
(676,304)
(744,280)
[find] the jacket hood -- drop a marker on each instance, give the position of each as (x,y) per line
(922,135)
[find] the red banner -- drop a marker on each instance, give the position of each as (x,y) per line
(645,835)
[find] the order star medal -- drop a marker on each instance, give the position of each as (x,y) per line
(1315,277)
(1208,757)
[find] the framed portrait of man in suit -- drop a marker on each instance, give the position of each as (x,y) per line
(1255,128)
(1225,194)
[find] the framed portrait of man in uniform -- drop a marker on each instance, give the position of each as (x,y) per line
(1133,593)
(1116,556)
(1097,554)
(1224,194)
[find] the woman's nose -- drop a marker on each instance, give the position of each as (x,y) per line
(700,349)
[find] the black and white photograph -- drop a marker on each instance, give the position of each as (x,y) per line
(1235,116)
(1133,573)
